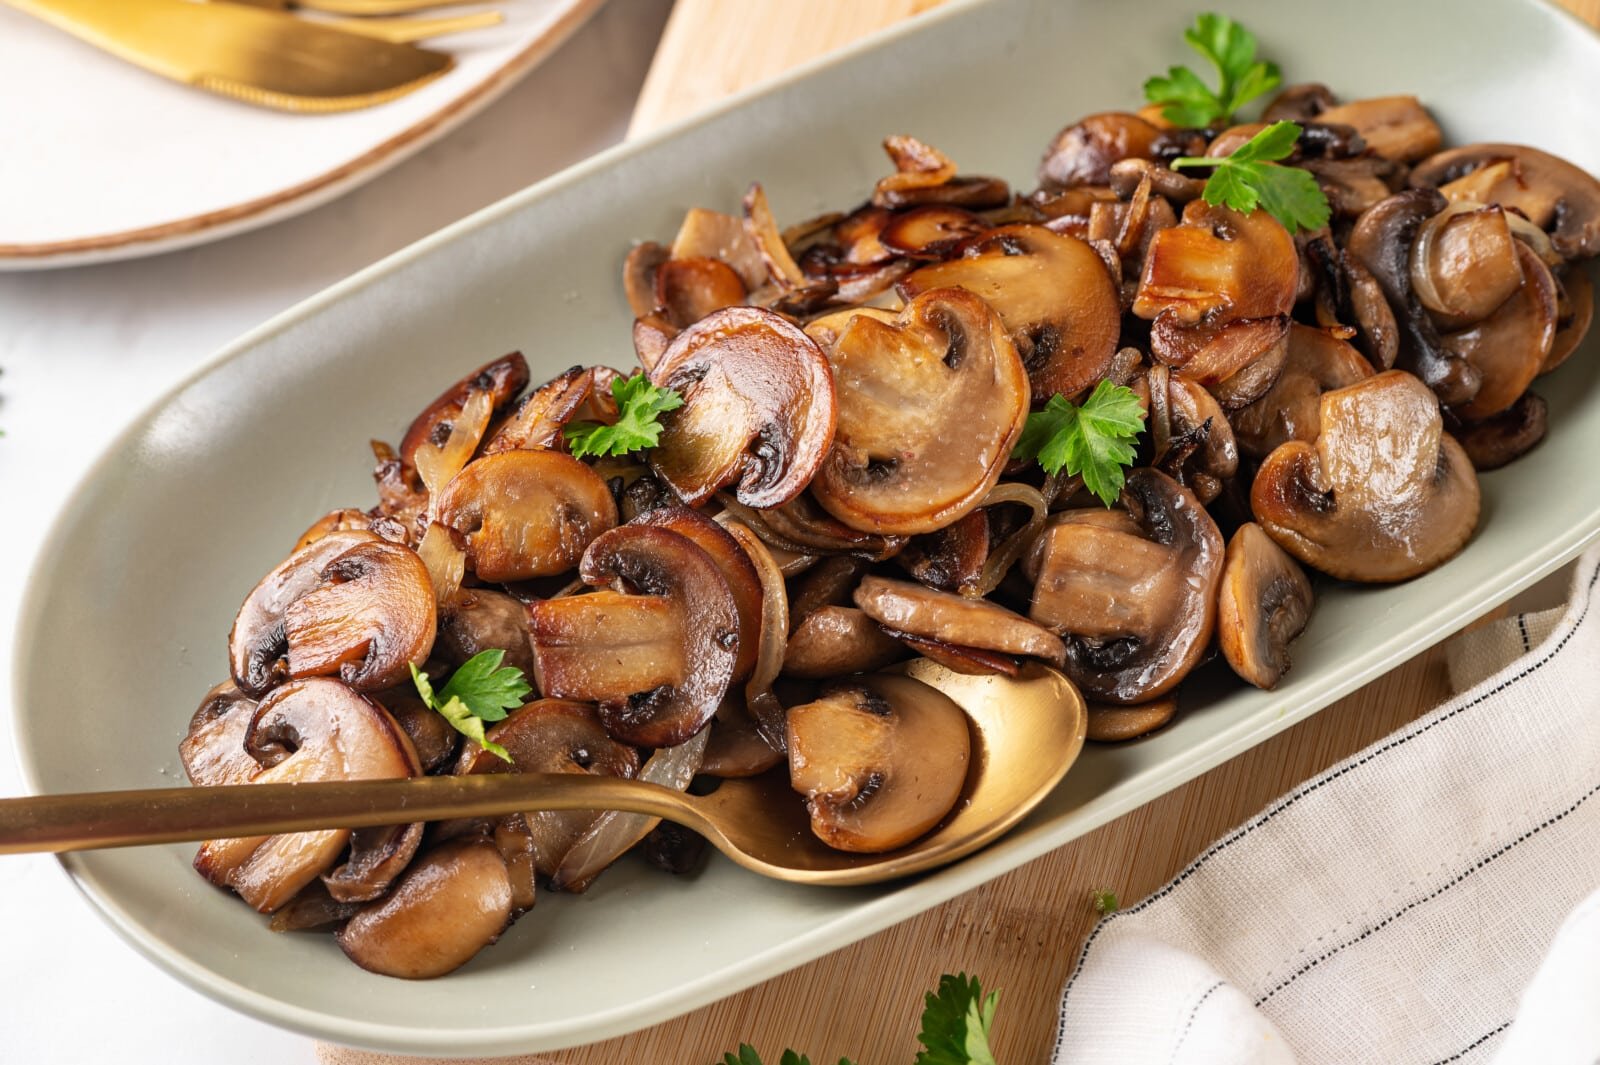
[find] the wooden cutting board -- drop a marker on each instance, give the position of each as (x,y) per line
(1022,932)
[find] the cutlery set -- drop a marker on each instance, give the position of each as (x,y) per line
(351,54)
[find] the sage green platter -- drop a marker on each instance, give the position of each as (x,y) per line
(208,490)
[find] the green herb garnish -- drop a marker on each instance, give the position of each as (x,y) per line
(1250,178)
(1232,50)
(1105,902)
(748,1056)
(480,690)
(638,404)
(1094,440)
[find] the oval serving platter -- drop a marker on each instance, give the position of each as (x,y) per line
(206,492)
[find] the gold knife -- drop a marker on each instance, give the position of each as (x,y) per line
(258,56)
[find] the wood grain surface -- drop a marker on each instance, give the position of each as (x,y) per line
(1022,932)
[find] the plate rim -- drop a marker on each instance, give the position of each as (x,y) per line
(873,914)
(285,203)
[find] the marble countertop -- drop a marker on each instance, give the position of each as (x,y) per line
(82,351)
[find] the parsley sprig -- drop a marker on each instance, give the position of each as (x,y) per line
(639,404)
(1232,50)
(1251,177)
(480,690)
(956,1022)
(1094,440)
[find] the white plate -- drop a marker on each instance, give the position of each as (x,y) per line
(121,163)
(125,621)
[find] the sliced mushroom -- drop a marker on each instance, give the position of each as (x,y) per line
(1394,127)
(502,379)
(553,736)
(1082,154)
(482,619)
(1577,313)
(657,653)
(433,737)
(306,730)
(1509,347)
(880,761)
(526,514)
(734,565)
(930,232)
(212,750)
(257,644)
(971,661)
(1382,495)
(452,903)
(758,408)
(688,290)
(377,856)
(1555,195)
(1265,603)
(954,619)
(346,519)
(1116,724)
(713,235)
(1299,103)
(735,748)
(639,276)
(833,641)
(370,618)
(544,412)
(924,175)
(1494,441)
(1053,294)
(1192,441)
(898,466)
(802,526)
(829,583)
(1135,609)
(1291,408)
(950,559)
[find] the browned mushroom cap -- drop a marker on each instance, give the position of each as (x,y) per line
(880,760)
(1219,289)
(306,730)
(1053,294)
(1299,103)
(1576,315)
(370,618)
(714,235)
(833,641)
(1191,440)
(1382,495)
(639,276)
(758,408)
(1382,242)
(553,736)
(657,652)
(1464,265)
(526,514)
(1135,608)
(503,379)
(955,619)
(1114,724)
(1494,441)
(1556,196)
(452,903)
(377,855)
(213,749)
(482,619)
(924,175)
(1082,154)
(950,559)
(735,748)
(735,567)
(1265,603)
(689,289)
(1291,408)
(1509,347)
(544,412)
(1394,127)
(433,738)
(256,644)
(929,410)
(343,520)
(929,232)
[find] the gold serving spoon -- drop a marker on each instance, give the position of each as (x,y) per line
(1027,732)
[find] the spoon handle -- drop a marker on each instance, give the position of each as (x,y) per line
(94,820)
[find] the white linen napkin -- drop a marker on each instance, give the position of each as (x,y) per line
(1394,908)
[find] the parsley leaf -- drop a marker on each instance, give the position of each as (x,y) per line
(1251,178)
(956,1023)
(638,404)
(748,1056)
(1232,50)
(479,690)
(1105,901)
(1094,440)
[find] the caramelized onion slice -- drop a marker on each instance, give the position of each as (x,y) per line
(501,380)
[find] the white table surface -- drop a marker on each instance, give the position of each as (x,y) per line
(83,351)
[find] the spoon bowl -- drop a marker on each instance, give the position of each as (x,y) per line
(1026,731)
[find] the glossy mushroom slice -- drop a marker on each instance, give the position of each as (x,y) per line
(1083,154)
(955,619)
(924,175)
(1291,408)
(1555,195)
(1383,494)
(1393,127)
(1266,601)
(553,736)
(371,616)
(1494,441)
(1191,440)
(735,747)
(758,408)
(1053,294)
(346,519)
(880,759)
(833,641)
(950,559)
(1576,315)
(1218,289)
(1134,596)
(306,730)
(688,290)
(526,514)
(212,750)
(1117,724)
(1510,346)
(257,644)
(581,393)
(929,410)
(734,565)
(713,235)
(656,651)
(433,738)
(501,379)
(377,856)
(452,903)
(482,619)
